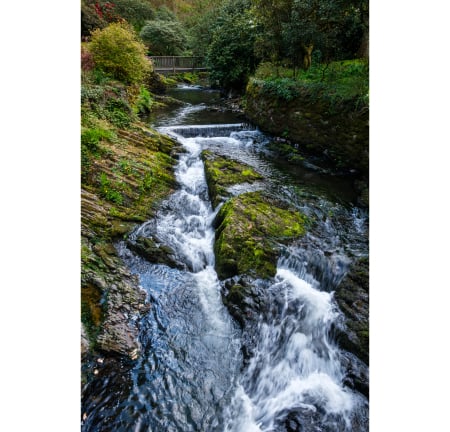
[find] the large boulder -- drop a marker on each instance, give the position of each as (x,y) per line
(250,230)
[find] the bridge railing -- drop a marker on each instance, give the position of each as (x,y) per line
(177,63)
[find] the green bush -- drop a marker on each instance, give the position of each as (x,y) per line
(117,111)
(91,137)
(108,192)
(336,82)
(117,51)
(90,19)
(281,88)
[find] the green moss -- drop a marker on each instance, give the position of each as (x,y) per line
(249,231)
(222,172)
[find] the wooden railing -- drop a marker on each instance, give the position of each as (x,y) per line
(173,64)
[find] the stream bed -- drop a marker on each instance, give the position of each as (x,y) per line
(192,374)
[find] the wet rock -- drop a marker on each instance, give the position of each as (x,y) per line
(84,342)
(352,296)
(108,304)
(357,373)
(243,298)
(154,251)
(156,83)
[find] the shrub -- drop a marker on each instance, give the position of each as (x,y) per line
(144,101)
(281,88)
(117,51)
(91,137)
(108,191)
(90,20)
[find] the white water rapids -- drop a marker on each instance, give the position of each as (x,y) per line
(296,366)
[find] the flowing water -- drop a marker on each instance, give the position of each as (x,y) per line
(192,375)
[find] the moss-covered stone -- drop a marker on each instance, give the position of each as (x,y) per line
(249,231)
(222,172)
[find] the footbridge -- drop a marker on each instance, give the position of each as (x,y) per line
(175,64)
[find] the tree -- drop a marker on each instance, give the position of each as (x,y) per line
(164,37)
(136,12)
(90,20)
(293,28)
(117,51)
(231,55)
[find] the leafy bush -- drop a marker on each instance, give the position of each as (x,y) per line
(337,82)
(117,51)
(91,137)
(144,101)
(281,88)
(90,20)
(118,112)
(109,192)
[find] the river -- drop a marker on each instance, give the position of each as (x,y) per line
(192,374)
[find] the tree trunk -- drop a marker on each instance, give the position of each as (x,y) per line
(363,51)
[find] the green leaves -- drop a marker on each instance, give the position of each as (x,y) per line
(230,54)
(117,51)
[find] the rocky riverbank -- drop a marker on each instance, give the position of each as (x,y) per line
(131,172)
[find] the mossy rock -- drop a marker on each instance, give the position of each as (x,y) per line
(222,172)
(250,230)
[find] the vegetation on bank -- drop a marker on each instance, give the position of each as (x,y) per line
(335,82)
(322,112)
(126,169)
